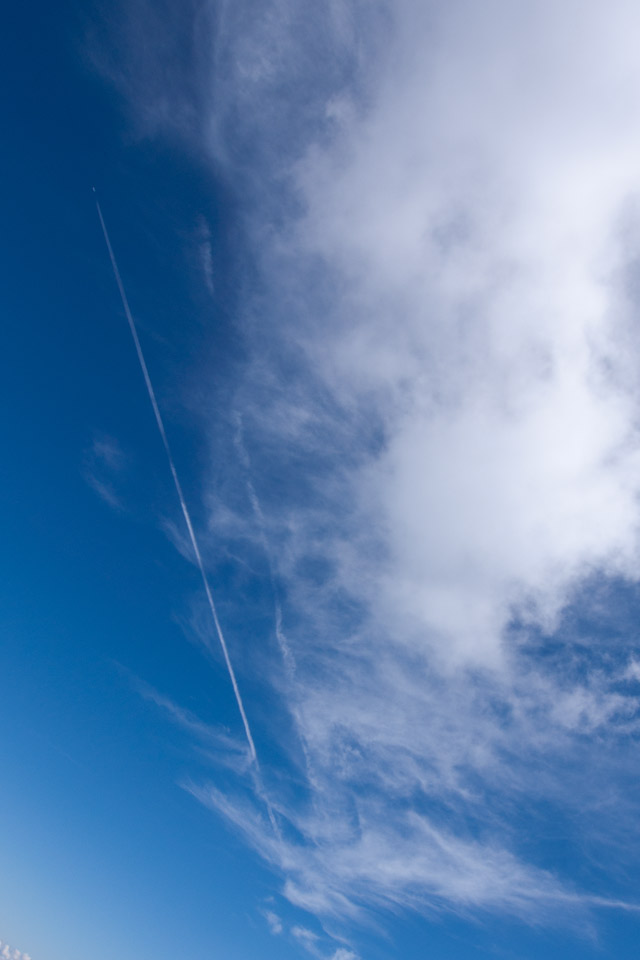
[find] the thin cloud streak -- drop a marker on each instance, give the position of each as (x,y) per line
(178,487)
(103,462)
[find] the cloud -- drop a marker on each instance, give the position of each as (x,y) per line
(479,321)
(274,922)
(306,937)
(313,944)
(104,463)
(10,953)
(205,254)
(215,744)
(440,421)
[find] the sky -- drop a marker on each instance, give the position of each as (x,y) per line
(335,653)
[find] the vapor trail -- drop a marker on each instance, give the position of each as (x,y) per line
(183,504)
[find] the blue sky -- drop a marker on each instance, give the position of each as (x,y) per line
(383,260)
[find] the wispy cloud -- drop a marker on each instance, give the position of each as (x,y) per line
(212,736)
(318,945)
(103,465)
(274,922)
(205,254)
(440,427)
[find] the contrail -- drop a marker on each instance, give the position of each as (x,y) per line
(178,486)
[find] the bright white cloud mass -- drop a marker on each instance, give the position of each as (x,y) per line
(437,440)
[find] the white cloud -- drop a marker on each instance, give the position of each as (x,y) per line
(475,217)
(314,945)
(274,922)
(10,953)
(445,386)
(305,936)
(478,221)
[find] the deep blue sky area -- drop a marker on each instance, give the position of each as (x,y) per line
(105,850)
(102,852)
